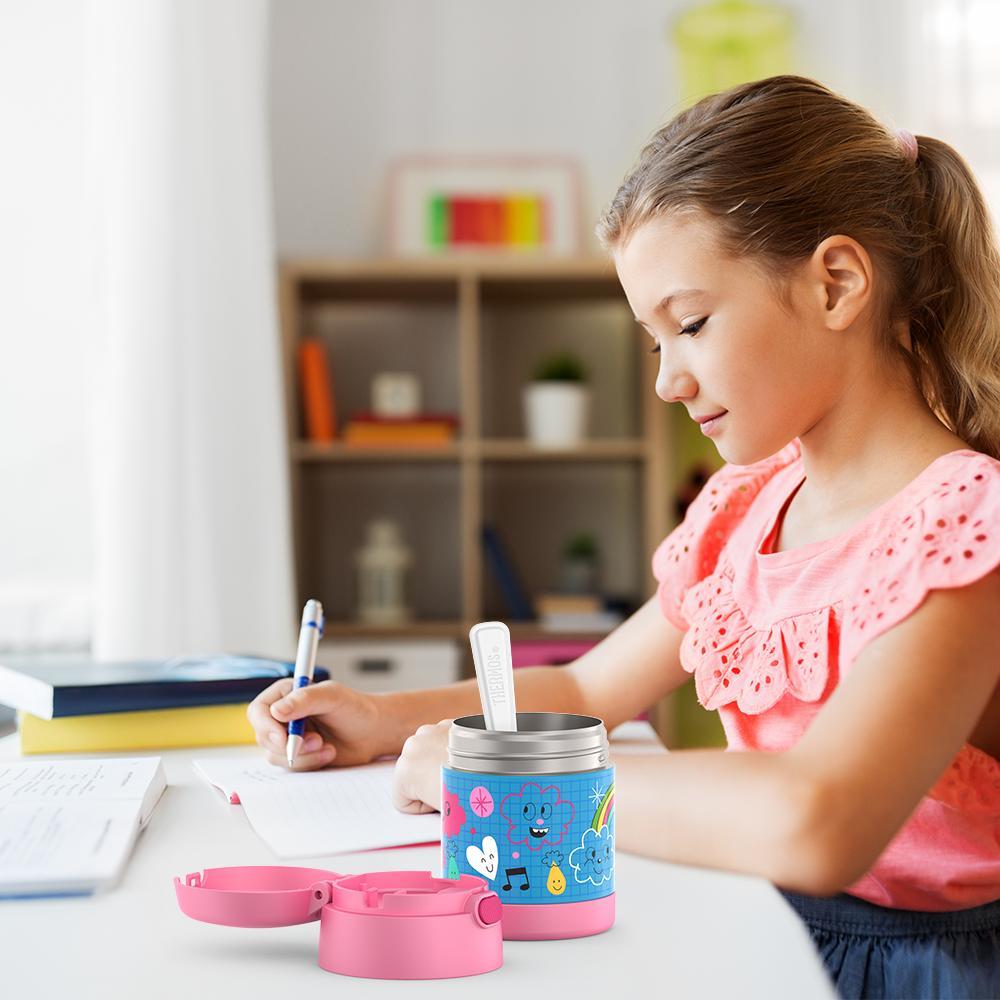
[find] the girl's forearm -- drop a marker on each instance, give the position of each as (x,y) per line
(746,812)
(537,689)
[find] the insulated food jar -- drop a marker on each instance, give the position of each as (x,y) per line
(532,811)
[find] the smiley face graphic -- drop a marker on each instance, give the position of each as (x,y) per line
(537,816)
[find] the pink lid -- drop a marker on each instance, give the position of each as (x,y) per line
(251,896)
(276,896)
(460,935)
(404,893)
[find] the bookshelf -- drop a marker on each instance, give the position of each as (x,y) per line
(472,329)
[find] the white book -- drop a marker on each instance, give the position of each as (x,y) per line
(67,827)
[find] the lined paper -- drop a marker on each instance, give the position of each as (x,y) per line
(331,811)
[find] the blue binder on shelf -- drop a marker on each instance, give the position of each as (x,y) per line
(506,576)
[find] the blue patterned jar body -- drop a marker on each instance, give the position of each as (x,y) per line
(535,819)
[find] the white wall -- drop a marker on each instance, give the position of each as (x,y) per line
(355,84)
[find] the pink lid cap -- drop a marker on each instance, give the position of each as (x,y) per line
(252,895)
(405,893)
(277,896)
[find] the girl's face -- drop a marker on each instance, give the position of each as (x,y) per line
(729,346)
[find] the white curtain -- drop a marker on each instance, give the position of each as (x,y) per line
(192,544)
(952,77)
(45,538)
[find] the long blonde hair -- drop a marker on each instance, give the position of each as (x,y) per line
(779,164)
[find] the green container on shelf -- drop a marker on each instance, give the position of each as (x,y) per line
(722,44)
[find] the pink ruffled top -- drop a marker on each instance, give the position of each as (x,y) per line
(769,635)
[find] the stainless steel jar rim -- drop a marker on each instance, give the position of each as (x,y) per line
(528,755)
(548,723)
(575,742)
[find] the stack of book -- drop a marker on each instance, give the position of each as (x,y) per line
(71,705)
(575,613)
(418,431)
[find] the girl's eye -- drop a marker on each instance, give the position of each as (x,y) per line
(691,330)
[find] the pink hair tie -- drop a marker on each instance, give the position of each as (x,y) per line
(909,143)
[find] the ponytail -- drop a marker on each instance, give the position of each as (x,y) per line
(952,295)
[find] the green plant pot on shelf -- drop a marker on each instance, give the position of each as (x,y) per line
(557,403)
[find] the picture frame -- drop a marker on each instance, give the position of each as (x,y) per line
(442,205)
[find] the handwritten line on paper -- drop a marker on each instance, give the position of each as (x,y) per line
(333,811)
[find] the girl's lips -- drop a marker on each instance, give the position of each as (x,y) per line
(708,427)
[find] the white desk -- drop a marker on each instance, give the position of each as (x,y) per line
(680,932)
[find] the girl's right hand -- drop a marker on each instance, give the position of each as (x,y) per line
(342,725)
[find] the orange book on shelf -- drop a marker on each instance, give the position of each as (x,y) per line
(428,433)
(318,410)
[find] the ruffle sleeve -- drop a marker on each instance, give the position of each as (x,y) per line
(689,553)
(944,534)
(949,538)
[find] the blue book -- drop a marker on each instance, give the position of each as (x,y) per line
(51,686)
(506,576)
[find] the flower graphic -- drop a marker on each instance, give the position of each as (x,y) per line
(452,813)
(481,801)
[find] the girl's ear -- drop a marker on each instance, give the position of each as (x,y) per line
(841,272)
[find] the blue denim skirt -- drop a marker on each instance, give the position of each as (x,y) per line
(873,952)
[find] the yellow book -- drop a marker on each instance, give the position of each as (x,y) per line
(158,729)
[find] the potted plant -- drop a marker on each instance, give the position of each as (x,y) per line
(557,402)
(579,570)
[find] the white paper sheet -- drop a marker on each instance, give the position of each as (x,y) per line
(331,811)
(67,826)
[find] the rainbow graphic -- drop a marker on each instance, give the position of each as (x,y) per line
(604,810)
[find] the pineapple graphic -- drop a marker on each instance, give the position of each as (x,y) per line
(556,882)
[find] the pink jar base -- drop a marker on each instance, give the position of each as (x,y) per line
(445,946)
(552,921)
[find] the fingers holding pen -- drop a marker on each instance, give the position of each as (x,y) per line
(312,752)
(261,716)
(301,702)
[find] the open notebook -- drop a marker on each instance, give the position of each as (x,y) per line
(67,827)
(307,813)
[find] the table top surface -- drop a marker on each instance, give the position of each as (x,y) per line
(689,931)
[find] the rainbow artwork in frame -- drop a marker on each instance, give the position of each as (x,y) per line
(456,204)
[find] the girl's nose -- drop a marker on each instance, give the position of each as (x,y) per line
(674,385)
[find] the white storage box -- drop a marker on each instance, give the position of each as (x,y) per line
(391,665)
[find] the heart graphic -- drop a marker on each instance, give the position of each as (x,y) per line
(483,861)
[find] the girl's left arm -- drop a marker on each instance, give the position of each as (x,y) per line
(816,817)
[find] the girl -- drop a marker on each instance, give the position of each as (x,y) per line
(824,297)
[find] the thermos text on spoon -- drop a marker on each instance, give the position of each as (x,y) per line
(494,671)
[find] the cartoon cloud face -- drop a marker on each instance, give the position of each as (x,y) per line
(537,816)
(594,860)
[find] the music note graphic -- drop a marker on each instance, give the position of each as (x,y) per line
(517,871)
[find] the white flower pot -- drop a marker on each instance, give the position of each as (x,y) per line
(556,414)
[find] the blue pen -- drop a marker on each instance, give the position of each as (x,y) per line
(305,660)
